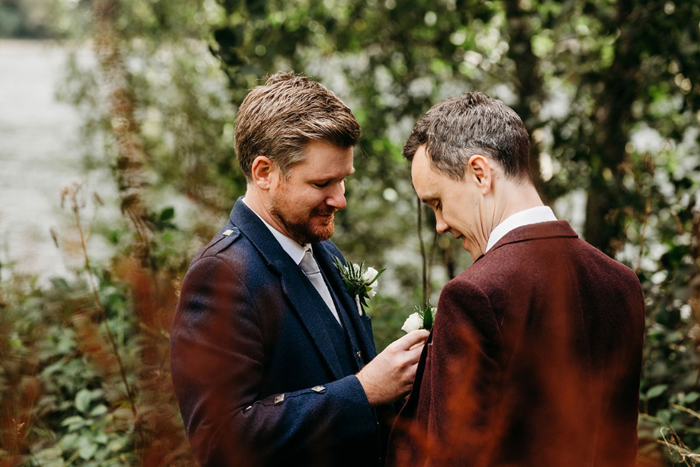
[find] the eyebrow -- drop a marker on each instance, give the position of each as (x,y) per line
(331,179)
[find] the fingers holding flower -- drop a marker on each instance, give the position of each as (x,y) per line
(423,318)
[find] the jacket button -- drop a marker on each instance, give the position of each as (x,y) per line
(278,399)
(318,389)
(359,356)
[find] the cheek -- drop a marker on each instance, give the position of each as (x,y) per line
(316,198)
(305,202)
(454,217)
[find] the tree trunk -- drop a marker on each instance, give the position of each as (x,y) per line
(604,225)
(124,126)
(529,83)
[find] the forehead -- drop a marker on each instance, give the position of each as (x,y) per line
(325,160)
(426,180)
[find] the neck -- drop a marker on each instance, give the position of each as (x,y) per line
(513,198)
(255,200)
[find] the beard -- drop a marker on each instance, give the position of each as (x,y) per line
(301,229)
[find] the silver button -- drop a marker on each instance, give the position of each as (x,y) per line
(227,232)
(359,356)
(248,408)
(318,389)
(279,399)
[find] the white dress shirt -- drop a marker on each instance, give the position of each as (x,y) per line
(296,252)
(519,219)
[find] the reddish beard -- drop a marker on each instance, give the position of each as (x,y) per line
(303,231)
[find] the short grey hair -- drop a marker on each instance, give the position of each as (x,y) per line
(472,123)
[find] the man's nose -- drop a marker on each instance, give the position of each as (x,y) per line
(440,224)
(336,198)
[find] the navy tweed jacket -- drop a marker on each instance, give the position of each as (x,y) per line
(255,370)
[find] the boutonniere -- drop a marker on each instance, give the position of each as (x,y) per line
(422,318)
(360,281)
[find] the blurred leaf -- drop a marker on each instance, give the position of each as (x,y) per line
(98,410)
(82,400)
(74,423)
(231,5)
(256,7)
(86,448)
(167,214)
(60,283)
(656,391)
(230,37)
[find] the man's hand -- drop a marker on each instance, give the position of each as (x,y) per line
(390,375)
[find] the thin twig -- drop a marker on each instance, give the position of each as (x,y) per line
(677,445)
(422,250)
(101,309)
(647,213)
(687,410)
(430,265)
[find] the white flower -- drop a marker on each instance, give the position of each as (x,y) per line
(369,275)
(413,323)
(359,281)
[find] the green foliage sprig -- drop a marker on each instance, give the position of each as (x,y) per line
(360,281)
(422,317)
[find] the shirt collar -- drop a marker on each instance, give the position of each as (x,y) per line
(519,219)
(293,249)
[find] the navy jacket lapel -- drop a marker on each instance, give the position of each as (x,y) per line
(326,262)
(295,286)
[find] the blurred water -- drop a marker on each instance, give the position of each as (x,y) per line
(39,154)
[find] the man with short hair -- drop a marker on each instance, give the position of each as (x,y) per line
(535,354)
(273,361)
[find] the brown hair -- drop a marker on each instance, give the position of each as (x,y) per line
(278,119)
(472,123)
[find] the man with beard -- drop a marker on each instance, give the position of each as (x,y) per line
(273,361)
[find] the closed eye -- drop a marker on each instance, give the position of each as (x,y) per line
(324,184)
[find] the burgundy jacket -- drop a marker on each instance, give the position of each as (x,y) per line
(534,360)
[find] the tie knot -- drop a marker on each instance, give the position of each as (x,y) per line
(308,263)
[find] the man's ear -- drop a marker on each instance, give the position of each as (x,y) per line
(263,170)
(480,171)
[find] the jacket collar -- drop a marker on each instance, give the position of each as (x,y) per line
(301,294)
(326,261)
(550,229)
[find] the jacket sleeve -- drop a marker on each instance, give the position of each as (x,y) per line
(218,366)
(465,371)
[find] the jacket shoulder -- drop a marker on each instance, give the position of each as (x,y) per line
(222,241)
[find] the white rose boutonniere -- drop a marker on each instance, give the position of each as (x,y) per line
(361,282)
(413,323)
(422,318)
